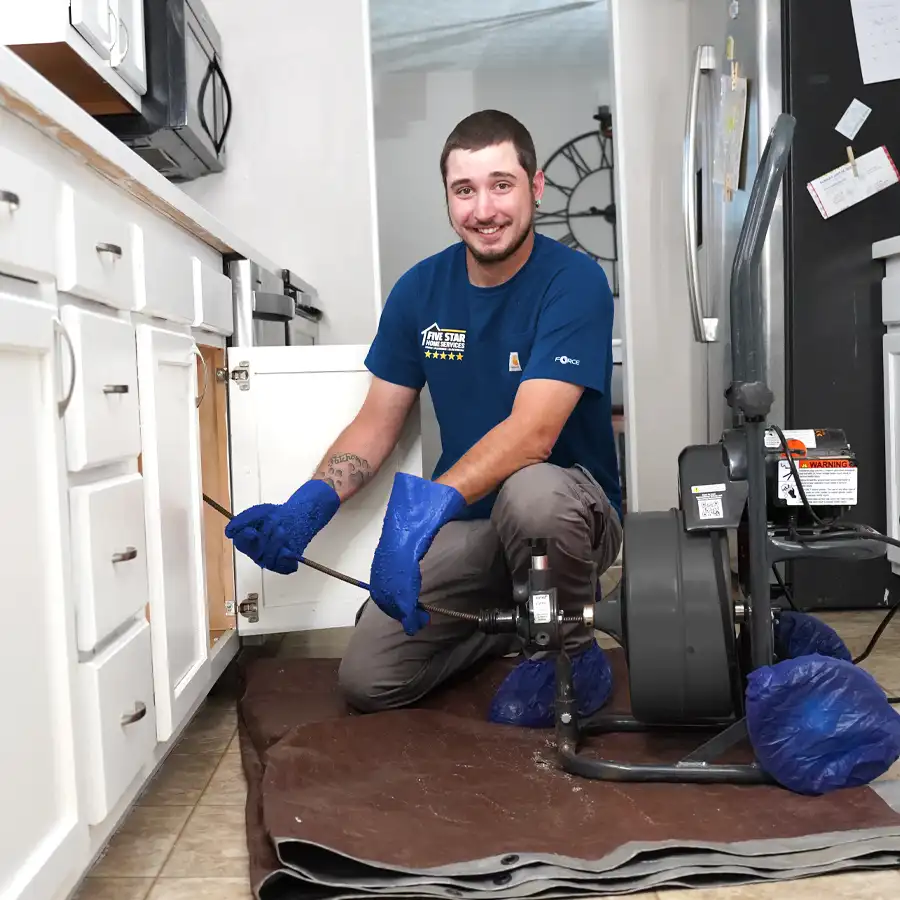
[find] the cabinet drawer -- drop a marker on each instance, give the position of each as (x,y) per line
(212,299)
(116,690)
(96,252)
(29,203)
(103,420)
(165,287)
(109,555)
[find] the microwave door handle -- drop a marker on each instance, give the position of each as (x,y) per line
(227,92)
(703,62)
(204,85)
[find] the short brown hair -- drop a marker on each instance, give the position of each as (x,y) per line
(487,128)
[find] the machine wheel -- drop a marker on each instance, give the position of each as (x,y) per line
(678,622)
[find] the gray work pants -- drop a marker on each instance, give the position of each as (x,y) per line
(470,566)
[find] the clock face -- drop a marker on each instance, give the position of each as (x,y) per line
(578,207)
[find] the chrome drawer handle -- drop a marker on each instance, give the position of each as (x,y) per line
(63,404)
(115,388)
(10,199)
(140,710)
(130,553)
(115,249)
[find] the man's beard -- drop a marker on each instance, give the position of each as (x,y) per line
(498,256)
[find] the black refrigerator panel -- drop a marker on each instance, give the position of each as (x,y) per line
(833,310)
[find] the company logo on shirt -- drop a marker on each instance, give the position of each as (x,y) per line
(515,364)
(567,361)
(443,343)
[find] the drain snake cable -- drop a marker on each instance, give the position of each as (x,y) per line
(428,607)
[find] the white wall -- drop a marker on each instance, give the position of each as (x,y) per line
(300,180)
(665,395)
(416,111)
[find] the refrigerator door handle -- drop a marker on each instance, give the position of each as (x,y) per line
(704,328)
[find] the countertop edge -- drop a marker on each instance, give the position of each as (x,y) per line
(887,247)
(26,94)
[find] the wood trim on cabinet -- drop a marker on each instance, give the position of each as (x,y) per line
(22,109)
(215,481)
(67,71)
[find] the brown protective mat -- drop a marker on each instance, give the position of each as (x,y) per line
(437,786)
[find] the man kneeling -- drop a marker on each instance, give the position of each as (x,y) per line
(512,333)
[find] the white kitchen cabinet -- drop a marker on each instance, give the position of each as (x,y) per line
(98,44)
(890,314)
(96,255)
(129,57)
(286,407)
(42,844)
(167,382)
(115,31)
(29,198)
(102,421)
(119,717)
(164,276)
(95,21)
(213,303)
(109,555)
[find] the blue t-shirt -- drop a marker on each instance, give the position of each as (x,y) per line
(474,346)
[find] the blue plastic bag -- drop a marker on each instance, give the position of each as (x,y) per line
(527,696)
(819,724)
(798,634)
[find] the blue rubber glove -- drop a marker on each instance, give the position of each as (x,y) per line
(415,513)
(275,535)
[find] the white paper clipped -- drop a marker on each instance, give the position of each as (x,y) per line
(877,26)
(844,187)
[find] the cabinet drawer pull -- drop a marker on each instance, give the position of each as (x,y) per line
(10,199)
(115,388)
(140,710)
(130,553)
(115,249)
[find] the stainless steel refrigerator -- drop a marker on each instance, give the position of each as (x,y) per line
(820,288)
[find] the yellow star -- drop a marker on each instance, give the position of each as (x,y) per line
(443,356)
(427,354)
(459,355)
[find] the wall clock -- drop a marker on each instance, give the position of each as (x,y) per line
(579,204)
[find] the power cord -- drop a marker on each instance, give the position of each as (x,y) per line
(846,531)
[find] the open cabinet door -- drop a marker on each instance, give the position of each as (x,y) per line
(287,405)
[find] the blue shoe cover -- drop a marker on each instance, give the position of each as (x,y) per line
(527,695)
(818,724)
(798,634)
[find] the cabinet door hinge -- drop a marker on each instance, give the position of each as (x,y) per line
(241,375)
(249,608)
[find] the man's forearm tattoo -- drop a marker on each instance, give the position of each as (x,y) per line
(346,470)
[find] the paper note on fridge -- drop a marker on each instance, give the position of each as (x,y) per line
(843,188)
(877,27)
(852,120)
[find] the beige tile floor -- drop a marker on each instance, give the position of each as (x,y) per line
(186,839)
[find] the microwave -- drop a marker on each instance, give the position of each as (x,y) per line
(185,114)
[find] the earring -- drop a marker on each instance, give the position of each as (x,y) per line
(537,202)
